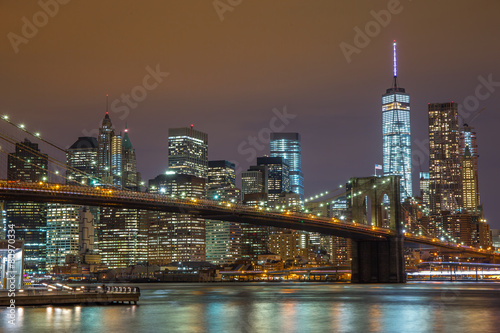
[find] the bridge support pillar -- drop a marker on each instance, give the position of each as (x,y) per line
(378,261)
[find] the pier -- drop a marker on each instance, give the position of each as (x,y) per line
(107,295)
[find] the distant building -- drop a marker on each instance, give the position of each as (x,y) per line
(62,233)
(445,191)
(188,151)
(223,239)
(104,151)
(130,177)
(288,146)
(254,180)
(278,176)
(424,190)
(396,133)
(470,195)
(81,159)
(28,164)
(180,237)
(221,174)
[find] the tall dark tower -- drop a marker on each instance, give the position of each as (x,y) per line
(396,133)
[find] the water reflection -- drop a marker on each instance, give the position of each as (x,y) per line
(294,307)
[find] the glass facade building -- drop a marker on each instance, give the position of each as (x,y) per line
(188,151)
(288,146)
(396,134)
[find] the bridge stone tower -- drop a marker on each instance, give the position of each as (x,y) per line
(377,261)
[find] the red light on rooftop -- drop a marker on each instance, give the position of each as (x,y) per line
(192,125)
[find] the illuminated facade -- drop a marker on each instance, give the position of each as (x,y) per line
(470,195)
(424,190)
(445,190)
(254,180)
(188,151)
(288,146)
(221,174)
(396,134)
(104,151)
(116,159)
(122,235)
(180,237)
(278,177)
(28,164)
(81,159)
(62,233)
(468,141)
(130,176)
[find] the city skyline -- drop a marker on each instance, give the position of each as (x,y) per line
(324,97)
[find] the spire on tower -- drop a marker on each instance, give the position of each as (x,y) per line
(395,65)
(107,104)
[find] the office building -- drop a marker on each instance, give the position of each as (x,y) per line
(28,164)
(445,191)
(396,133)
(81,159)
(188,151)
(288,146)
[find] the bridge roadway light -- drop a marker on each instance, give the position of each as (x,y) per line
(6,117)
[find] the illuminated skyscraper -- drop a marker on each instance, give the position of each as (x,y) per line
(130,176)
(188,151)
(396,134)
(104,152)
(445,190)
(468,140)
(180,237)
(28,164)
(278,177)
(470,195)
(288,146)
(116,159)
(81,159)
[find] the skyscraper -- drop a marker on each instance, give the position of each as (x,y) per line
(28,164)
(288,146)
(62,233)
(81,159)
(470,195)
(278,177)
(104,152)
(444,159)
(188,151)
(468,140)
(396,133)
(178,236)
(222,238)
(130,176)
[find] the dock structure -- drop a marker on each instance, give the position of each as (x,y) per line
(107,295)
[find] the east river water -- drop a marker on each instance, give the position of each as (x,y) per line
(279,307)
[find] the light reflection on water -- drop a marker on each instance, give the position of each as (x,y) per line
(279,307)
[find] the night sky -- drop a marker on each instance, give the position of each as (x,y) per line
(226,76)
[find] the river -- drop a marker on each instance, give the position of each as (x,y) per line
(279,307)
